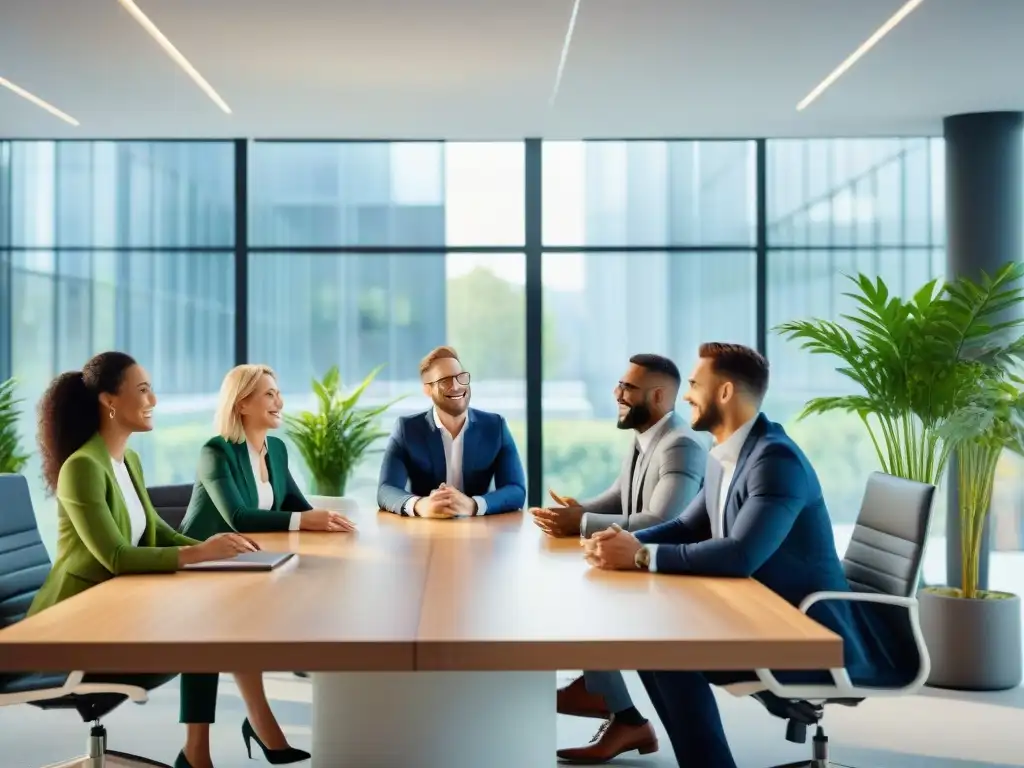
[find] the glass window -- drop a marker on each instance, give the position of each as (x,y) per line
(5,193)
(855,192)
(121,194)
(128,246)
(358,311)
(649,193)
(180,328)
(602,308)
(6,312)
(387,194)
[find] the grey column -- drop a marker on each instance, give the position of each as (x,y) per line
(985,229)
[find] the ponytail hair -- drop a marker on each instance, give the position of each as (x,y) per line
(69,411)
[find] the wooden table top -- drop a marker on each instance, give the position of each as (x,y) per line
(409,594)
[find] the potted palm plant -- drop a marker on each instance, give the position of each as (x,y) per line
(333,439)
(11,457)
(935,375)
(974,635)
(912,360)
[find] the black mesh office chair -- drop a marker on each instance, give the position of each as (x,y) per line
(24,565)
(171,502)
(883,566)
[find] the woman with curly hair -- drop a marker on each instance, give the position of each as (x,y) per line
(107,526)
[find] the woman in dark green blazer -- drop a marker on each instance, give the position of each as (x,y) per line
(107,526)
(243,485)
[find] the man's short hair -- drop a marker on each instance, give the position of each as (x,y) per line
(438,353)
(658,364)
(743,366)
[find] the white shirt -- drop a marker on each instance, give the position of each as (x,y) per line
(726,453)
(264,490)
(136,512)
(644,440)
(453,464)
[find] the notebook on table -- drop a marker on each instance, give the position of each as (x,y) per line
(247,561)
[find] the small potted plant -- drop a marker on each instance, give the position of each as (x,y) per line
(11,457)
(333,439)
(974,635)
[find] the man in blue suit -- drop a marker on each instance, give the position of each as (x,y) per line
(759,514)
(442,463)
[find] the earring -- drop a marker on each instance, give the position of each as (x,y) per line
(111,413)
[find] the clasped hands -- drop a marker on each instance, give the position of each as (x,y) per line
(612,549)
(445,501)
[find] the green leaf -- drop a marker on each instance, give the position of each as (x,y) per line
(11,458)
(333,439)
(929,372)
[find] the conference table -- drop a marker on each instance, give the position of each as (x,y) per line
(432,643)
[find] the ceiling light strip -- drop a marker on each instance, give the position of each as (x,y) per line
(154,32)
(38,102)
(565,52)
(866,46)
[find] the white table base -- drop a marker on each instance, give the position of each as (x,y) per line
(434,719)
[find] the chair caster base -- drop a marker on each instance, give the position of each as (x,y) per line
(820,751)
(100,757)
(111,759)
(133,760)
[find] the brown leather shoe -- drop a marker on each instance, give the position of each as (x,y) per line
(611,740)
(574,699)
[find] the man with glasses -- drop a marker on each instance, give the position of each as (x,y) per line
(660,475)
(442,463)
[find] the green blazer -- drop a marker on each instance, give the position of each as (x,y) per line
(225,499)
(93,528)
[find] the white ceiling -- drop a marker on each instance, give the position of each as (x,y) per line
(485,69)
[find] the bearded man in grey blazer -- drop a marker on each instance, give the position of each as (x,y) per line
(660,474)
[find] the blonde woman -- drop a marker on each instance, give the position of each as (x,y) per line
(244,485)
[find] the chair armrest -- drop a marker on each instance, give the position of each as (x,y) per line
(74,686)
(132,692)
(859,597)
(843,687)
(42,694)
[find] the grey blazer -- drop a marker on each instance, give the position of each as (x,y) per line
(672,470)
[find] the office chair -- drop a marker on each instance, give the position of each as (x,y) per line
(24,565)
(883,566)
(171,502)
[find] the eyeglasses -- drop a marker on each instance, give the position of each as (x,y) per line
(447,381)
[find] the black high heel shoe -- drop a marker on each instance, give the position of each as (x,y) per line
(181,761)
(273,756)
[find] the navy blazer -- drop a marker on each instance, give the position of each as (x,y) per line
(414,462)
(776,529)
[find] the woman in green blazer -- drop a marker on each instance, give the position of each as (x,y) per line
(106,525)
(243,484)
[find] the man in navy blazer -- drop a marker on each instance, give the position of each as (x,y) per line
(442,463)
(760,514)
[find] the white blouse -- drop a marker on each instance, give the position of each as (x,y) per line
(136,512)
(264,490)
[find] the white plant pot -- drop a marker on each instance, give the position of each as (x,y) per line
(346,505)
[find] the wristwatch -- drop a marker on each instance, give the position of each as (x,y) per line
(642,558)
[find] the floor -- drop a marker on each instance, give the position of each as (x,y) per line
(934,730)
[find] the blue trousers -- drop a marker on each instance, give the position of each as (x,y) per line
(611,686)
(687,708)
